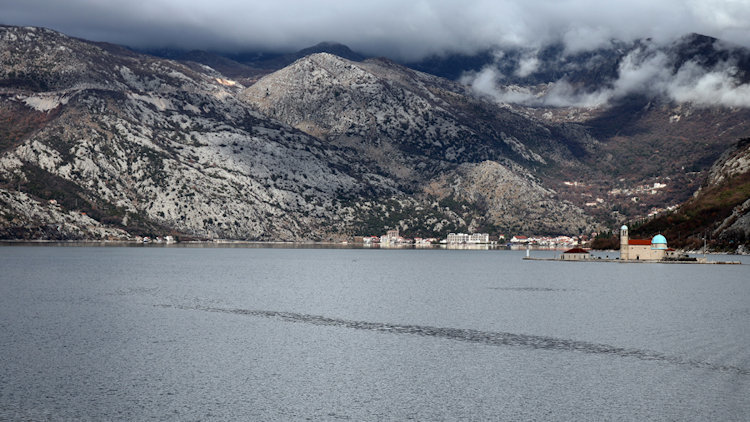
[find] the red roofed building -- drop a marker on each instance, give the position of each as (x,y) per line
(519,239)
(642,249)
(575,254)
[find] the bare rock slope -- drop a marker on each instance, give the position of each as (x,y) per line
(429,135)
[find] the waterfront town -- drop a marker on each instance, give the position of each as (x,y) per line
(631,250)
(393,239)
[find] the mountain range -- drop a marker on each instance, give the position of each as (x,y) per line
(100,141)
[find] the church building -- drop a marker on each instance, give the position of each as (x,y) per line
(643,249)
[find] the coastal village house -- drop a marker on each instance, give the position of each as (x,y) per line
(519,239)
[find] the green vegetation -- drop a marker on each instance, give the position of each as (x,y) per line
(419,222)
(46,186)
(605,241)
(16,124)
(698,217)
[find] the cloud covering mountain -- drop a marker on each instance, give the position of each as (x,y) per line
(717,75)
(397,29)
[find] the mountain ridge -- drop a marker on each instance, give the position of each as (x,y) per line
(325,148)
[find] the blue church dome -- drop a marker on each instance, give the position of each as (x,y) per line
(659,242)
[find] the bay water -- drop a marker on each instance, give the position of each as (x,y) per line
(176,333)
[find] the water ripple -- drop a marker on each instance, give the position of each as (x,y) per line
(474,336)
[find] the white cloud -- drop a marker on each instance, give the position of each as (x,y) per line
(722,14)
(641,71)
(647,71)
(716,87)
(528,65)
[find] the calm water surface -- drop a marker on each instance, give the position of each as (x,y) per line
(107,333)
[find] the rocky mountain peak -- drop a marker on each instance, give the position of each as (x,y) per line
(334,48)
(318,80)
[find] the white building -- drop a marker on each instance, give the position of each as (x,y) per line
(519,239)
(479,238)
(391,237)
(454,238)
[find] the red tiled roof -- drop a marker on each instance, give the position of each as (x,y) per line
(576,250)
(641,242)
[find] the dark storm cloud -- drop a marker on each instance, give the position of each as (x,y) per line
(409,30)
(399,29)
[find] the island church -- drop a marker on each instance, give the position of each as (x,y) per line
(643,249)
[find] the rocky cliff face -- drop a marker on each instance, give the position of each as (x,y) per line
(735,162)
(730,177)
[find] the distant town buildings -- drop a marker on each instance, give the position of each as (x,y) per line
(393,238)
(547,241)
(423,242)
(479,238)
(371,240)
(157,239)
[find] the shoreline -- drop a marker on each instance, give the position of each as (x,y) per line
(226,243)
(635,261)
(246,243)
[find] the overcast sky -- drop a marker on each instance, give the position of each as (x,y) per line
(400,29)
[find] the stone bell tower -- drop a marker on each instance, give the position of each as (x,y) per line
(624,255)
